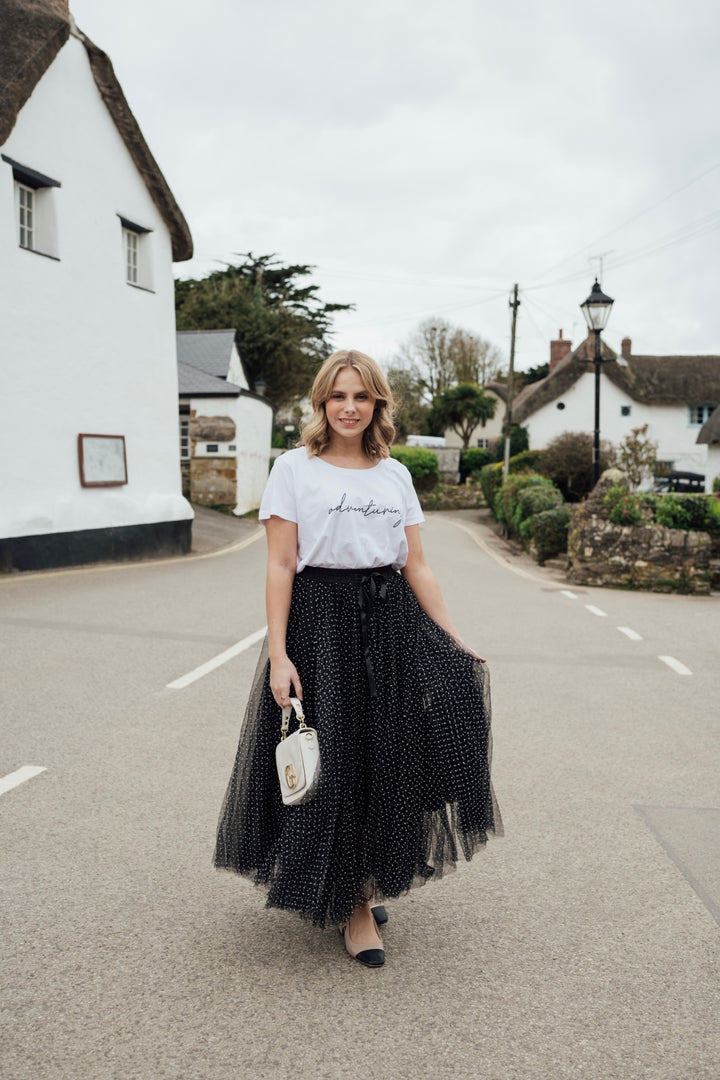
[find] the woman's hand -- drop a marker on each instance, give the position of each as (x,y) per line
(284,679)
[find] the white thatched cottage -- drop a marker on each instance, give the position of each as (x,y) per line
(89,230)
(673,395)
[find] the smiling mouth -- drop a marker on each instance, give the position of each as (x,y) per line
(345,420)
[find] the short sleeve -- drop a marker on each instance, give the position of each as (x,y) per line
(279,497)
(414,514)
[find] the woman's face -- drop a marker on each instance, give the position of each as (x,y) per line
(350,407)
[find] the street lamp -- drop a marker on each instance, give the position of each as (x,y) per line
(596,311)
(260,386)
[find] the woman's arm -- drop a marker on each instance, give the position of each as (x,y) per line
(424,584)
(282,544)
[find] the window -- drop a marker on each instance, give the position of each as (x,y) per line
(26,215)
(625,410)
(131,256)
(184,432)
(698,414)
(137,262)
(484,444)
(35,215)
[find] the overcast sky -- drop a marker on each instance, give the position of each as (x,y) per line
(426,156)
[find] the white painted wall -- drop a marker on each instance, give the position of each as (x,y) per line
(712,465)
(667,424)
(81,350)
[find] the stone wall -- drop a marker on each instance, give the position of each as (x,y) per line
(448,463)
(214,481)
(634,556)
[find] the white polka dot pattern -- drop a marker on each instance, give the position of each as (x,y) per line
(405,784)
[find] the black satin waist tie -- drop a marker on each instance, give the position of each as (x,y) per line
(372,587)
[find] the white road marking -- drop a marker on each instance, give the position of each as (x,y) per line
(217,661)
(675,665)
(13,779)
(570,595)
(596,610)
(632,634)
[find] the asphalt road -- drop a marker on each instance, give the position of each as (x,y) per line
(585,943)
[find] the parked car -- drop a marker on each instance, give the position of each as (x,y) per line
(686,481)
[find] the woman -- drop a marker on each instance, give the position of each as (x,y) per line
(359,631)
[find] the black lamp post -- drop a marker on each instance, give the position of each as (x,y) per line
(596,311)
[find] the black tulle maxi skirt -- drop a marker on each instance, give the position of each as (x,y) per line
(403,721)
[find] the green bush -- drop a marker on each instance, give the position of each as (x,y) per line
(678,511)
(550,531)
(716,485)
(533,500)
(509,510)
(519,442)
(422,464)
(624,508)
(491,476)
(472,461)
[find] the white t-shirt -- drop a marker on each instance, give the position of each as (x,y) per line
(347,519)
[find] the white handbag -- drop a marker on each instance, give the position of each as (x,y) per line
(297,757)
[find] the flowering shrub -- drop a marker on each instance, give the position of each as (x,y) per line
(623,507)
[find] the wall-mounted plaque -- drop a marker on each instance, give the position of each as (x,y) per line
(102,460)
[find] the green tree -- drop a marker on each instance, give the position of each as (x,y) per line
(462,408)
(282,327)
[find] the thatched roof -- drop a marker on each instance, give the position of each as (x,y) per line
(710,431)
(33,32)
(649,380)
(499,389)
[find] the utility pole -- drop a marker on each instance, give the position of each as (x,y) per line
(514,304)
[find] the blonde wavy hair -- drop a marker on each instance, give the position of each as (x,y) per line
(380,432)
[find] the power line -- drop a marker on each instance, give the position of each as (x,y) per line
(631,219)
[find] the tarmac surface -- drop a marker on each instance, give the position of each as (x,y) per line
(583,945)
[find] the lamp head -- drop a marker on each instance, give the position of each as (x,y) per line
(597,307)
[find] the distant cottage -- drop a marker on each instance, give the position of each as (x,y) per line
(89,230)
(225,428)
(673,395)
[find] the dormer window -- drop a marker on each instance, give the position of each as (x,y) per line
(698,414)
(137,253)
(35,215)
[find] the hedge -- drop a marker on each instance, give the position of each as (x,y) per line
(491,476)
(509,510)
(550,532)
(422,464)
(472,461)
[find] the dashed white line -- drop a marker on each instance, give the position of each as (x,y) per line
(13,779)
(596,610)
(632,634)
(676,665)
(570,595)
(217,661)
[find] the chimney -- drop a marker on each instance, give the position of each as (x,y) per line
(626,346)
(559,350)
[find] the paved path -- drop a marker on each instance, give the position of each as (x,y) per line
(583,944)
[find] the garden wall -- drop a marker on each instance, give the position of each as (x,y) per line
(634,556)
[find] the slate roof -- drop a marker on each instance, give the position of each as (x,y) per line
(33,32)
(710,431)
(195,383)
(207,350)
(649,380)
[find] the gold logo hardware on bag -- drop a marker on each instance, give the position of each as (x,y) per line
(297,757)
